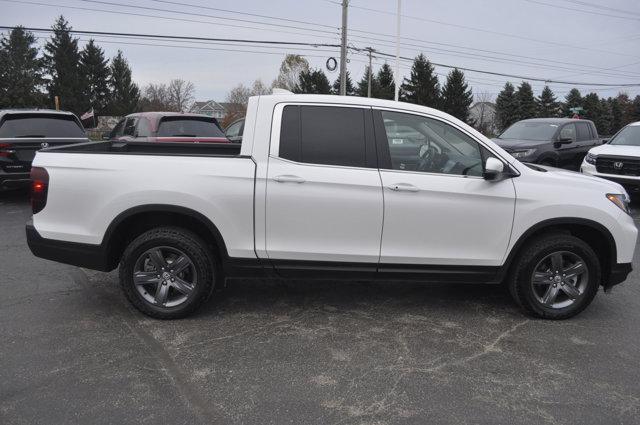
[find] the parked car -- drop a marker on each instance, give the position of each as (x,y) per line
(306,195)
(555,142)
(167,127)
(617,160)
(235,130)
(23,132)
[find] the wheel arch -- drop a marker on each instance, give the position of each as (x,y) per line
(549,156)
(131,223)
(593,233)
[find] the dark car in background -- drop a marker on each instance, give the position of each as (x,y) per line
(167,127)
(556,142)
(23,132)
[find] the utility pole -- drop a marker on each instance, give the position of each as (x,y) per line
(398,53)
(343,49)
(370,50)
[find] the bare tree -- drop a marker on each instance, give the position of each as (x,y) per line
(180,94)
(259,88)
(290,70)
(484,114)
(238,98)
(155,97)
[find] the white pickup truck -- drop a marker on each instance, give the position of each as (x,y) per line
(334,188)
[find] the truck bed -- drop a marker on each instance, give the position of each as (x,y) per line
(151,148)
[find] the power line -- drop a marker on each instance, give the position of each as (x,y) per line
(154,9)
(503,34)
(256,15)
(598,6)
(178,37)
(160,17)
(584,11)
(545,80)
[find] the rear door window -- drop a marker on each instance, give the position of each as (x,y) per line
(130,127)
(327,135)
(31,126)
(189,127)
(583,132)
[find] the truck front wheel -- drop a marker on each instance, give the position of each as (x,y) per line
(167,272)
(555,276)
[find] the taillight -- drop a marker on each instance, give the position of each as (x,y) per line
(5,150)
(39,188)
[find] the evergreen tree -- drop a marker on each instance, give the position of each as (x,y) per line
(21,73)
(95,76)
(386,83)
(527,107)
(422,86)
(351,90)
(616,114)
(506,107)
(125,94)
(547,105)
(605,118)
(313,82)
(572,100)
(457,96)
(636,108)
(363,85)
(593,111)
(62,60)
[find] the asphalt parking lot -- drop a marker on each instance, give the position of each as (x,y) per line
(73,351)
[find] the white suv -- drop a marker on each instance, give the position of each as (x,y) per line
(618,160)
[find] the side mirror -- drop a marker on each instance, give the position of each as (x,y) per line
(565,140)
(493,169)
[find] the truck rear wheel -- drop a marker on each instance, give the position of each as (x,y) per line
(167,272)
(555,277)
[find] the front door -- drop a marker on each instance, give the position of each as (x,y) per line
(324,197)
(438,209)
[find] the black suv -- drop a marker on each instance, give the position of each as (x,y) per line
(23,132)
(557,142)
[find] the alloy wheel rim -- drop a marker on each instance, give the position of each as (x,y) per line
(164,276)
(560,279)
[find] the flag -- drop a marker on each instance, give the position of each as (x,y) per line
(88,119)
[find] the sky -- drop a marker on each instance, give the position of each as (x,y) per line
(588,41)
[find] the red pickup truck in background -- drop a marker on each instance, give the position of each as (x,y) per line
(167,127)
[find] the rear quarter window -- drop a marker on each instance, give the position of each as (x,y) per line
(189,127)
(33,126)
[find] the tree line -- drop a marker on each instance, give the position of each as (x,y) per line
(83,79)
(608,114)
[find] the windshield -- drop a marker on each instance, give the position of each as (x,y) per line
(189,127)
(530,130)
(630,136)
(35,126)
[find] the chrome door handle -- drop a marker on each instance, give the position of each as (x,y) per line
(289,179)
(403,187)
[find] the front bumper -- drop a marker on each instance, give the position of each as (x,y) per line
(630,183)
(77,254)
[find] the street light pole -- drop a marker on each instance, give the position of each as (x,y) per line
(343,49)
(398,52)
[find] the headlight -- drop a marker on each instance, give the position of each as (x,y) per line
(621,200)
(522,154)
(590,158)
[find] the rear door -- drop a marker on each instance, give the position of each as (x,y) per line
(324,203)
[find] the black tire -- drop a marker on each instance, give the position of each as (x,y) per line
(202,265)
(520,282)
